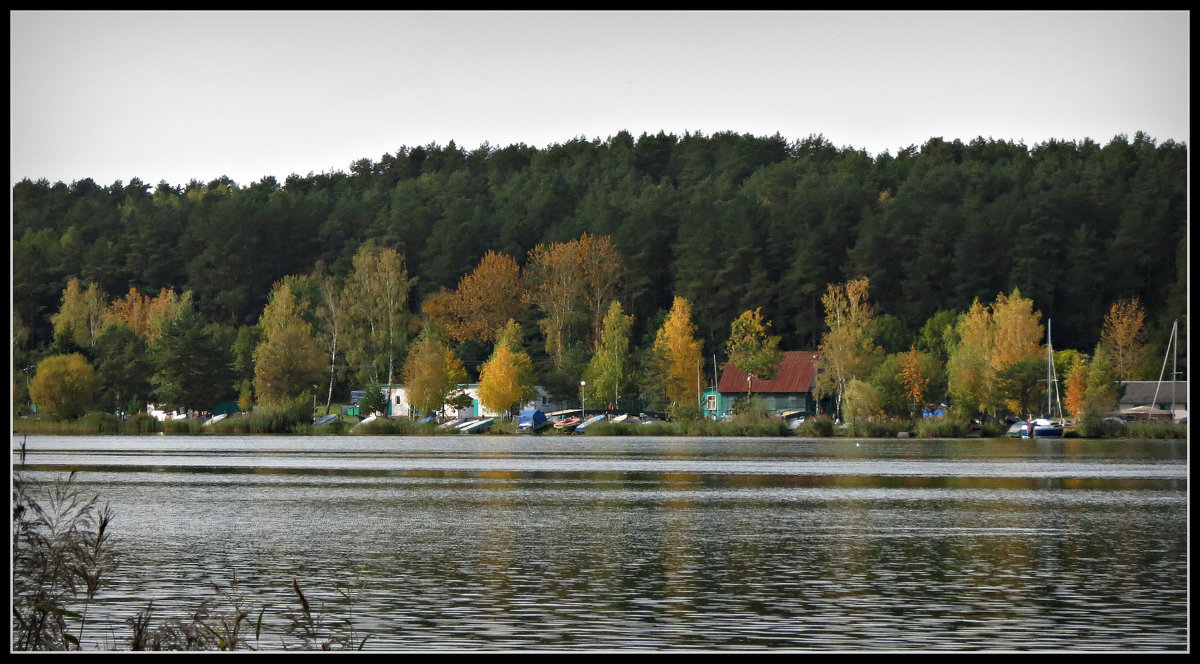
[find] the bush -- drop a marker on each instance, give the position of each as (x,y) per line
(938,427)
(816,427)
(870,429)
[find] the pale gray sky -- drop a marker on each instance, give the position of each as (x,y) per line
(188,95)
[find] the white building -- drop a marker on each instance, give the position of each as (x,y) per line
(398,405)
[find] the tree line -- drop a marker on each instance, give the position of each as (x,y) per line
(728,223)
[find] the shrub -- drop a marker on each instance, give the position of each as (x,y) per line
(815,427)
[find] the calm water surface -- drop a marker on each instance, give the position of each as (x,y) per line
(557,542)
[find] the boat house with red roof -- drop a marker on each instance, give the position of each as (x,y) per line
(789,394)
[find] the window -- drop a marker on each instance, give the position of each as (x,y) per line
(711,402)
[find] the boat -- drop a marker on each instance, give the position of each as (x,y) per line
(532,420)
(1045,427)
(579,428)
(325,419)
(476,426)
(568,424)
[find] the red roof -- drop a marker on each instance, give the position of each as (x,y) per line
(796,374)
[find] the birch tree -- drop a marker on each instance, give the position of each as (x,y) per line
(377,315)
(847,350)
(751,350)
(81,311)
(609,368)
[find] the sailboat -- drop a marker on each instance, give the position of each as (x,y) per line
(1045,427)
(1172,342)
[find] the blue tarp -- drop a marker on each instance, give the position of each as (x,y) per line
(531,419)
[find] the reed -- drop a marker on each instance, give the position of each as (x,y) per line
(60,557)
(1155,429)
(937,427)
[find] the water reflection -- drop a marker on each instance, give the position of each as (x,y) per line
(562,543)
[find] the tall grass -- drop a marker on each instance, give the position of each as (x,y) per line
(1158,429)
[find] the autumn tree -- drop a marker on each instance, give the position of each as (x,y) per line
(484,301)
(81,312)
(847,350)
(64,386)
(287,362)
(751,350)
(1123,336)
(609,368)
(914,380)
(601,267)
(1018,332)
(562,277)
(506,379)
(554,282)
(995,358)
(145,315)
(677,356)
(431,372)
(377,314)
(1076,387)
(970,376)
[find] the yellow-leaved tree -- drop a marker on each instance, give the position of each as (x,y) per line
(969,373)
(561,277)
(431,372)
(65,386)
(81,313)
(677,357)
(484,300)
(1123,337)
(997,360)
(146,315)
(914,380)
(1076,390)
(847,350)
(288,362)
(506,379)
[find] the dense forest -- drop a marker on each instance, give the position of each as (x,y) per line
(730,222)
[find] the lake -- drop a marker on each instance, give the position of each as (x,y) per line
(646,543)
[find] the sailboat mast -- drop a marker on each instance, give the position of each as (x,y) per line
(1049,371)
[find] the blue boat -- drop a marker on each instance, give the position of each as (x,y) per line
(532,419)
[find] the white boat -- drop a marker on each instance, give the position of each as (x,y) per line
(1045,427)
(476,426)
